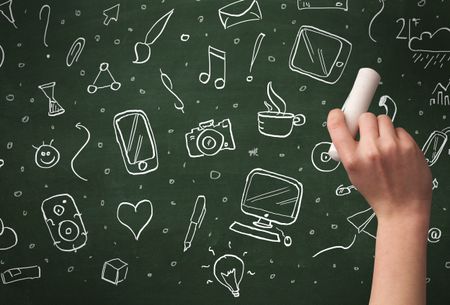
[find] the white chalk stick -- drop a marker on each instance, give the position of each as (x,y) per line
(358,102)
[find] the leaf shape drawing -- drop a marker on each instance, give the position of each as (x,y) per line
(157,28)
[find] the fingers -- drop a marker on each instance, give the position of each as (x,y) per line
(340,135)
(368,126)
(385,127)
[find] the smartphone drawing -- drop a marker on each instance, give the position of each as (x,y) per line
(319,54)
(434,145)
(136,141)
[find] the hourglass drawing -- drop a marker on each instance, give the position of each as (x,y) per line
(54,108)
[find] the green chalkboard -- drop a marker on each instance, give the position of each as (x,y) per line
(153,151)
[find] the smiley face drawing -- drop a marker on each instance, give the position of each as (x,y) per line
(46,155)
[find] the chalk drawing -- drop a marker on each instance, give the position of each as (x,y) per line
(256,47)
(6,11)
(75,51)
(79,126)
(45,6)
(114,271)
(54,108)
(434,145)
(238,12)
(389,105)
(275,121)
(220,58)
(434,235)
(46,155)
(143,50)
(167,82)
(8,237)
(135,217)
(319,54)
(322,5)
(113,85)
(64,222)
(2,56)
(321,159)
(229,270)
(18,274)
(441,94)
(208,139)
(373,19)
(273,199)
(136,141)
(342,190)
(111,13)
(336,247)
(198,214)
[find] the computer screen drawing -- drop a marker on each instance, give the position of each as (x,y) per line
(273,199)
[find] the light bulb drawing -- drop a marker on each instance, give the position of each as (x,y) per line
(229,270)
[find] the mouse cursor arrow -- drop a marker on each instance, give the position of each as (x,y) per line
(111,13)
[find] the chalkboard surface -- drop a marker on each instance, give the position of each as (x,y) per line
(174,152)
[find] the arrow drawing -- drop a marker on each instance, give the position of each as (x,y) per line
(111,13)
(79,126)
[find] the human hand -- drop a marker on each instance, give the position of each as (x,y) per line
(385,165)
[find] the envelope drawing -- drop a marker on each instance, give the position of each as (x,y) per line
(239,12)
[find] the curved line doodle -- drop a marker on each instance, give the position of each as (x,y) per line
(389,105)
(48,19)
(8,236)
(2,56)
(79,126)
(167,82)
(373,19)
(336,247)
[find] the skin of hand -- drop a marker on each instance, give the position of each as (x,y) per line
(389,170)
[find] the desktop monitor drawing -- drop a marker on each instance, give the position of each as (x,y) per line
(273,199)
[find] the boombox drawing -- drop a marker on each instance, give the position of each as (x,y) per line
(64,222)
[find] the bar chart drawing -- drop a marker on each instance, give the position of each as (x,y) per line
(441,95)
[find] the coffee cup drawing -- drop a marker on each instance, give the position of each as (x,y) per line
(275,121)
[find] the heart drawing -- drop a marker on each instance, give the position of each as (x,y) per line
(135,216)
(8,237)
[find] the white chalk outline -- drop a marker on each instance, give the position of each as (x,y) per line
(135,207)
(114,16)
(54,108)
(389,105)
(10,16)
(9,229)
(263,230)
(432,142)
(156,30)
(196,220)
(362,227)
(77,47)
(62,243)
(280,114)
(336,247)
(206,133)
(331,5)
(114,85)
(37,156)
(434,235)
(342,190)
(167,82)
(324,154)
(256,47)
(2,56)
(229,278)
(116,281)
(373,19)
(204,77)
(442,93)
(228,18)
(48,19)
(79,126)
(20,274)
(332,73)
(136,167)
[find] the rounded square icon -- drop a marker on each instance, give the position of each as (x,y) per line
(64,222)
